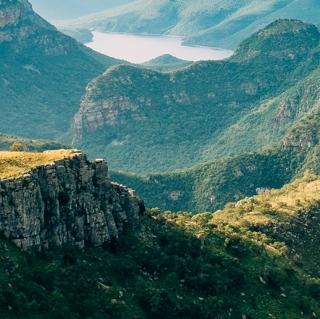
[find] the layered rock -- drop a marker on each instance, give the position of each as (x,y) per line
(17,20)
(68,202)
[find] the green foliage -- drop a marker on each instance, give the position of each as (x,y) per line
(166,63)
(42,82)
(164,269)
(210,186)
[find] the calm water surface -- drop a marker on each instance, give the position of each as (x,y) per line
(139,49)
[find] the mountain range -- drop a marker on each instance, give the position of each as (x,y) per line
(265,126)
(225,155)
(214,23)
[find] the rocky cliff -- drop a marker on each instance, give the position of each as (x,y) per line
(67,201)
(17,20)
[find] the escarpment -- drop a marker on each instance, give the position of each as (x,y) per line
(65,201)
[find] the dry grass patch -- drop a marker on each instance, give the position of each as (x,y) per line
(274,205)
(14,164)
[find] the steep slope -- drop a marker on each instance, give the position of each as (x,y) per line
(207,22)
(42,73)
(286,220)
(59,198)
(207,187)
(256,259)
(270,121)
(153,122)
(210,186)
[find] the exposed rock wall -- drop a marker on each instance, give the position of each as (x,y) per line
(71,201)
(18,21)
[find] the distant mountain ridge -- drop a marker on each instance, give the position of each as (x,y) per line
(207,22)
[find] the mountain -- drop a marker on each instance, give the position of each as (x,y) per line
(166,63)
(70,9)
(207,22)
(149,122)
(257,258)
(42,73)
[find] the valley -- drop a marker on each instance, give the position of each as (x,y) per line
(168,181)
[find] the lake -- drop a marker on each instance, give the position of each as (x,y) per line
(139,49)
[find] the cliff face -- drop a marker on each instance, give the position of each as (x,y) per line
(70,201)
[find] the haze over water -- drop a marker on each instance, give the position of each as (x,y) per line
(139,49)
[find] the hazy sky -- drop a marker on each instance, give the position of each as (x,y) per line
(69,9)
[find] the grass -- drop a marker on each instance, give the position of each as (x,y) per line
(273,206)
(15,164)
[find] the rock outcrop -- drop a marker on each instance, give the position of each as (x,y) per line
(68,202)
(18,20)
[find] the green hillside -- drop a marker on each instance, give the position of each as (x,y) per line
(225,154)
(207,187)
(207,22)
(256,259)
(148,122)
(166,63)
(42,74)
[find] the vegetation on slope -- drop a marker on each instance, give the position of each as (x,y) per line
(42,74)
(147,122)
(166,63)
(210,186)
(256,259)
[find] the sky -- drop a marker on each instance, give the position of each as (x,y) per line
(71,9)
